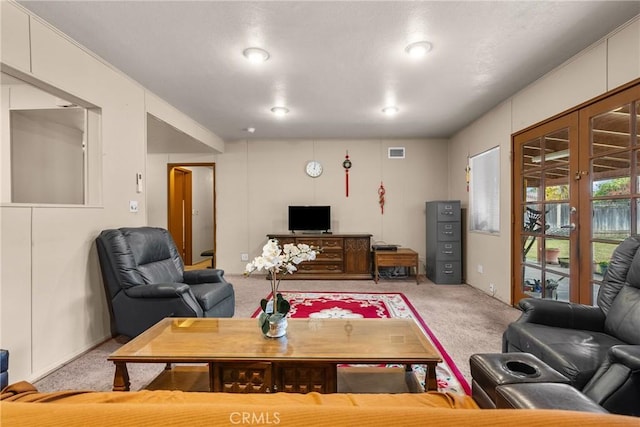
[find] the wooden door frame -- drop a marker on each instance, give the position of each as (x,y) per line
(212,165)
(568,121)
(184,212)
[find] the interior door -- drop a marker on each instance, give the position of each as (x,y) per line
(547,218)
(180,207)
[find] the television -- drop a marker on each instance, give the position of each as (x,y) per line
(309,218)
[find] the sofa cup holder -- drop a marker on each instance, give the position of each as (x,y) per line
(521,369)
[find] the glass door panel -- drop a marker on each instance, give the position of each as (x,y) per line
(545,223)
(556,147)
(611,174)
(532,285)
(531,154)
(532,186)
(609,129)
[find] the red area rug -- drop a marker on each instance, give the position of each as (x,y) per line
(375,305)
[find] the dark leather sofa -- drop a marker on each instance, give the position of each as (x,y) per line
(4,368)
(596,347)
(145,281)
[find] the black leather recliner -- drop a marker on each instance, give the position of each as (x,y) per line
(4,368)
(596,347)
(145,281)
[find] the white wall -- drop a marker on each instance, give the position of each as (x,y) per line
(602,67)
(52,303)
(256,180)
(156,187)
(202,219)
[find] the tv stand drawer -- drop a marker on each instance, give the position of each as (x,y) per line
(319,267)
(342,256)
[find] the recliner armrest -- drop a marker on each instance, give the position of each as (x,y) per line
(615,383)
(544,396)
(210,275)
(157,290)
(627,355)
(561,314)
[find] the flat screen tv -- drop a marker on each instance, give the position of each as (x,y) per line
(309,218)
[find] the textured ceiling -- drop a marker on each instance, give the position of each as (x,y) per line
(335,65)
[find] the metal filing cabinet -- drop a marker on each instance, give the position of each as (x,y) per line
(444,248)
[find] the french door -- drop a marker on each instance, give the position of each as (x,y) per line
(576,196)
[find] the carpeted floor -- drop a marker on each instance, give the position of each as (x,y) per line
(358,305)
(465,320)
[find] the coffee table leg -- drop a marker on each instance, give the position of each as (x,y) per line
(431,382)
(121,377)
(213,380)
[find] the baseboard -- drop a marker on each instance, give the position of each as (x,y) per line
(37,376)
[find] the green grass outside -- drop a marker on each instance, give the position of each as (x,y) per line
(601,251)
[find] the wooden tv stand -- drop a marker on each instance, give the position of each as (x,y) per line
(343,256)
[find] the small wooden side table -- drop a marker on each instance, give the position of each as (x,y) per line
(402,257)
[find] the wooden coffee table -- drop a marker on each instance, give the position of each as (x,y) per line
(240,359)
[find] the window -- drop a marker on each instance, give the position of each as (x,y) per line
(484,191)
(50,145)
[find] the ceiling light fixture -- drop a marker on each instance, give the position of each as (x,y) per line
(390,110)
(255,54)
(250,130)
(280,111)
(418,49)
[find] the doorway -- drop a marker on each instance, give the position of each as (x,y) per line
(191,210)
(576,196)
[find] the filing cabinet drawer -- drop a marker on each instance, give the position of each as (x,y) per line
(447,272)
(448,211)
(450,251)
(449,231)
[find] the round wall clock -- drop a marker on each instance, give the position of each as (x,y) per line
(313,169)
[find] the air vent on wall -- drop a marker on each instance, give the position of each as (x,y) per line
(396,152)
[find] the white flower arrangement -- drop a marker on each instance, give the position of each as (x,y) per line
(283,260)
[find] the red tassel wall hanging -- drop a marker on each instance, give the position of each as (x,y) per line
(381,192)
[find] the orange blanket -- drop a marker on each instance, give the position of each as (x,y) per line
(23,405)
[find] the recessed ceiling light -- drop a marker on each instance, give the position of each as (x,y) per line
(418,49)
(250,130)
(390,110)
(279,111)
(255,54)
